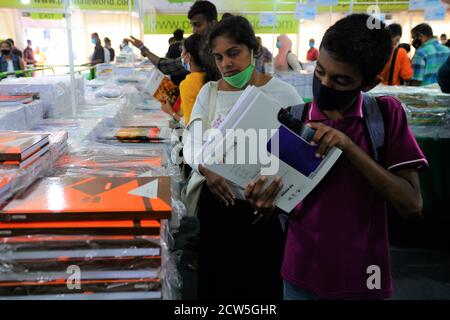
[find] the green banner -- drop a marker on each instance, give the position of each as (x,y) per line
(46,16)
(167,24)
(119,5)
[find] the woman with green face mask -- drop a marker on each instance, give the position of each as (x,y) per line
(238,258)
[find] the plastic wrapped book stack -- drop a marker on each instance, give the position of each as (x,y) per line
(428,109)
(89,205)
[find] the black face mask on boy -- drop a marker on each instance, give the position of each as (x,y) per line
(5,52)
(331,99)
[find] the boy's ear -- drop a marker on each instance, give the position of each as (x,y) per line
(370,85)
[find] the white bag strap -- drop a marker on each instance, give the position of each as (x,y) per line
(212,102)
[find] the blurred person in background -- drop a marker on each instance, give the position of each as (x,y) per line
(285,59)
(398,69)
(175,48)
(312,53)
(262,56)
(9,62)
(430,55)
(109,51)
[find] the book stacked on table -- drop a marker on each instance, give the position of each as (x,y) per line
(137,135)
(19,149)
(108,229)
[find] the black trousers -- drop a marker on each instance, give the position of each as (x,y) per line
(237,259)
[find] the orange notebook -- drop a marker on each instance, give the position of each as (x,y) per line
(144,134)
(124,227)
(91,198)
(162,88)
(17,146)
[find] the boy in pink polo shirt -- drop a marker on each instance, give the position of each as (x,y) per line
(337,243)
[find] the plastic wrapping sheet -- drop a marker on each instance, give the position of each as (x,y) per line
(13,180)
(13,118)
(110,267)
(301,81)
(54,91)
(98,159)
(77,130)
(428,109)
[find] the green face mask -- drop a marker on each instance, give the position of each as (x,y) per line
(240,79)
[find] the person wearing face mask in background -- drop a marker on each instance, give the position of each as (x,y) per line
(201,71)
(239,255)
(398,69)
(285,59)
(312,53)
(430,55)
(125,47)
(9,62)
(99,54)
(109,51)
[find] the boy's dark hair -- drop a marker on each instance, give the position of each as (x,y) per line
(205,8)
(443,35)
(178,34)
(405,46)
(423,29)
(11,41)
(195,46)
(95,34)
(395,29)
(107,40)
(237,28)
(368,49)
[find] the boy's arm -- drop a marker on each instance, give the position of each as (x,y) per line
(401,188)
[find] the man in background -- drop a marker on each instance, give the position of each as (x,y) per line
(175,48)
(429,57)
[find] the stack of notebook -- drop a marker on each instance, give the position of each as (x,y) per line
(20,150)
(14,100)
(137,135)
(103,231)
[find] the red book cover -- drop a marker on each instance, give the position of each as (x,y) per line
(17,146)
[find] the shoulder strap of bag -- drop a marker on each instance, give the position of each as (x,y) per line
(212,102)
(391,70)
(374,124)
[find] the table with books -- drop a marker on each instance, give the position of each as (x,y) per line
(89,205)
(428,111)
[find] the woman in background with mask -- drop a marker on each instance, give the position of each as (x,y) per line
(239,255)
(8,61)
(285,59)
(201,71)
(312,53)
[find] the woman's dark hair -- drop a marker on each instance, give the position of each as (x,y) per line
(195,46)
(405,46)
(237,28)
(350,40)
(395,29)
